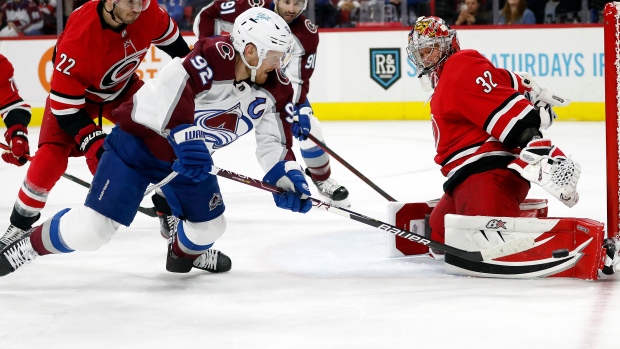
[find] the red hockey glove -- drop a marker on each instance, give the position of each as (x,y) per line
(17,138)
(90,141)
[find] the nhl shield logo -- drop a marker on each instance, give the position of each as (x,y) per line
(385,66)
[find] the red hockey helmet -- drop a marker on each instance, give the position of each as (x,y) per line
(430,43)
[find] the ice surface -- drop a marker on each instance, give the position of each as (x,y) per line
(306,281)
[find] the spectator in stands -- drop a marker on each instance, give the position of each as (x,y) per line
(176,10)
(48,10)
(22,17)
(550,7)
(415,9)
(346,9)
(471,14)
(516,12)
(325,13)
(568,11)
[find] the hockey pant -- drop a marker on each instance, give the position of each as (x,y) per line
(126,169)
(493,193)
(55,147)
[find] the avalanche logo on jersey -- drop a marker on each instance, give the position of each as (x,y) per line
(225,126)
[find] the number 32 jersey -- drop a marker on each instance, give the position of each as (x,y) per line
(477,112)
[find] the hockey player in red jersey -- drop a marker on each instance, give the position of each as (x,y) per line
(487,126)
(95,61)
(238,82)
(15,114)
(218,17)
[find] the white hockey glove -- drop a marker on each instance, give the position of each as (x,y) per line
(542,163)
(543,100)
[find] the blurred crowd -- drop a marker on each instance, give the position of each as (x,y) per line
(39,17)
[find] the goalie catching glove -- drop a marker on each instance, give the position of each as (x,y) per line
(17,138)
(542,163)
(289,176)
(90,141)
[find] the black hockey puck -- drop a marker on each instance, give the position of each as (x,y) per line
(560,253)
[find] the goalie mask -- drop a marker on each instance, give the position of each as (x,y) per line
(430,43)
(267,31)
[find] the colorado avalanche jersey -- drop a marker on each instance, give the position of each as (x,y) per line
(26,15)
(202,90)
(95,62)
(9,95)
(477,111)
(219,17)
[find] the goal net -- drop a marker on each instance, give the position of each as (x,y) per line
(612,108)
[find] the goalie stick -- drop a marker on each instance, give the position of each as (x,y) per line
(149,211)
(510,247)
(349,167)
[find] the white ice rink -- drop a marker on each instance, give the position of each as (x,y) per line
(306,281)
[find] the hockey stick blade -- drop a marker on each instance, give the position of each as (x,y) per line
(149,211)
(474,256)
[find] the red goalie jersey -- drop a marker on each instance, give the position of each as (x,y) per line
(478,110)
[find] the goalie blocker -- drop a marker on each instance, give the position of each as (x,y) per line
(564,247)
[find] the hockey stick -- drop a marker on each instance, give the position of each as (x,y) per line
(149,211)
(510,247)
(349,167)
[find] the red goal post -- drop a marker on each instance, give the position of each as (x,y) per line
(612,113)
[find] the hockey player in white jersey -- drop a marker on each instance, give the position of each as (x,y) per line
(218,16)
(239,86)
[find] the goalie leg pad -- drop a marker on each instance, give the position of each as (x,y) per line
(563,247)
(497,192)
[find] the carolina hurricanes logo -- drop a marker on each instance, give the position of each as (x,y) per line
(226,50)
(122,70)
(257,3)
(311,27)
(496,224)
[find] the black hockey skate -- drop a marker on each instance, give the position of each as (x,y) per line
(174,263)
(167,221)
(213,261)
(20,225)
(336,193)
(17,252)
